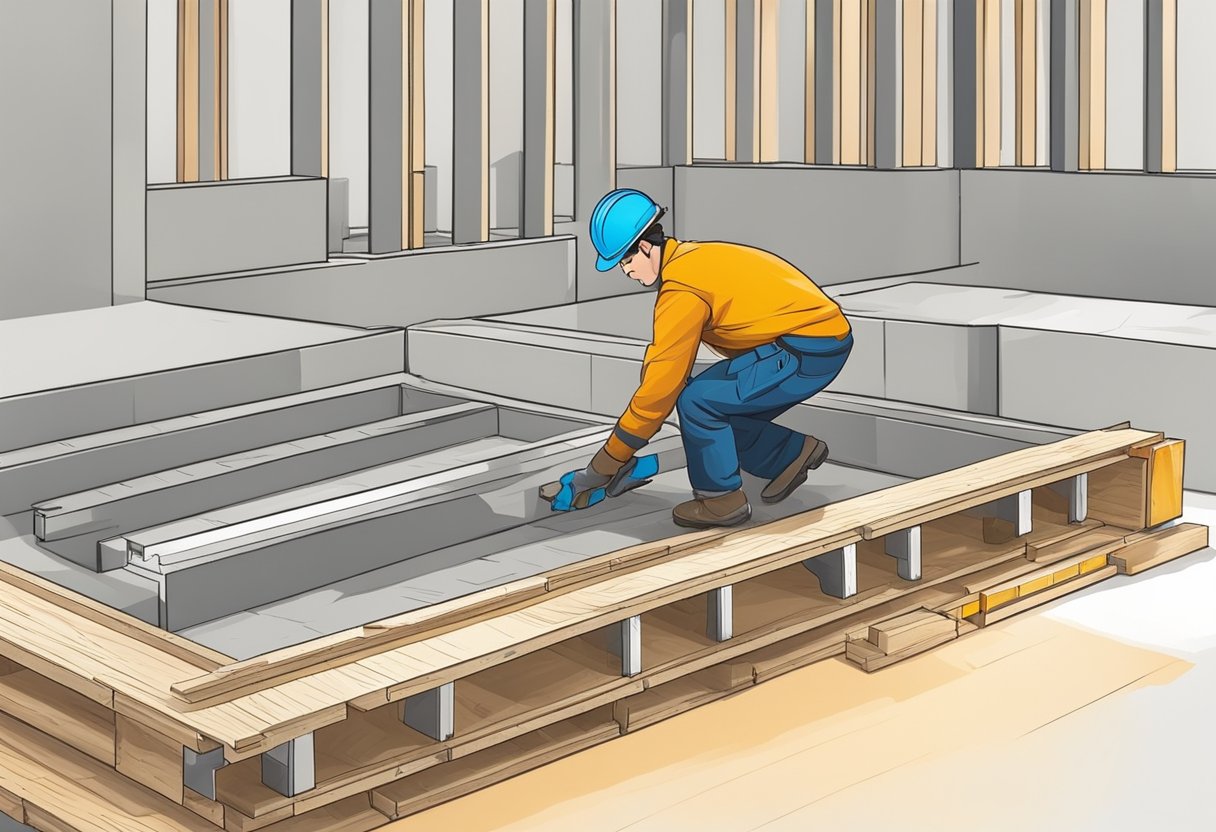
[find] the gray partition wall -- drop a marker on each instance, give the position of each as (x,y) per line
(835,224)
(1130,236)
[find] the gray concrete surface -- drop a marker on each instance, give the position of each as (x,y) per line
(100,369)
(398,290)
(204,228)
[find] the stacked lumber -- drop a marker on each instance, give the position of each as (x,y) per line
(534,678)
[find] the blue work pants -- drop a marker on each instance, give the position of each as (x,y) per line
(727,412)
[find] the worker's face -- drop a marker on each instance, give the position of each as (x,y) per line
(643,265)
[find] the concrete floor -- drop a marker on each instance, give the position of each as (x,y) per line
(1092,713)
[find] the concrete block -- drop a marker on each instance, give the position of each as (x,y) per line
(339,213)
(823,220)
(207,228)
(944,366)
(864,372)
(519,370)
(1090,381)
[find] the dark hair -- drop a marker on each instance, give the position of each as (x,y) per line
(653,235)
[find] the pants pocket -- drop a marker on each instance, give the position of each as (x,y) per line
(765,373)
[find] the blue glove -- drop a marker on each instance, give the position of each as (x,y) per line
(580,489)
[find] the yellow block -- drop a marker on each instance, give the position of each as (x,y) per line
(1093,564)
(996,599)
(1067,573)
(1165,481)
(971,609)
(1034,586)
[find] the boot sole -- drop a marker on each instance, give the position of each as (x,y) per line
(728,520)
(817,458)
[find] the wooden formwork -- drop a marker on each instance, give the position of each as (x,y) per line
(109,721)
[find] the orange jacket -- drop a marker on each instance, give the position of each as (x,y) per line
(732,297)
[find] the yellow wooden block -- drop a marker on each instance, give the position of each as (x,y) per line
(1165,481)
(1035,585)
(1067,573)
(995,599)
(971,609)
(1093,564)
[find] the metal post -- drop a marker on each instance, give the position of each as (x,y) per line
(290,768)
(433,712)
(904,546)
(720,623)
(1065,86)
(836,570)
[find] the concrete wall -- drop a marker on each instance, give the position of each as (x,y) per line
(836,225)
(398,290)
(1111,235)
(212,227)
(71,210)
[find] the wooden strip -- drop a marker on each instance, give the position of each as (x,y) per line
(60,712)
(460,777)
(1169,86)
(852,97)
(12,806)
(991,57)
(235,821)
(1025,80)
(808,104)
(65,789)
(311,657)
(913,69)
(204,807)
(1040,598)
(150,759)
(912,628)
(664,701)
(929,86)
(1092,128)
(201,657)
(870,658)
(766,78)
(1075,545)
(1148,549)
(1118,494)
(187,90)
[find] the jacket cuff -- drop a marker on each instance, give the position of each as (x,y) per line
(618,450)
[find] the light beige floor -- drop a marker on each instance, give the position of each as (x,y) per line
(1076,717)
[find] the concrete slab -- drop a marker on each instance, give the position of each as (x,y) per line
(940,365)
(94,370)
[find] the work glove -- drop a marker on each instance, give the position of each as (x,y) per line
(580,489)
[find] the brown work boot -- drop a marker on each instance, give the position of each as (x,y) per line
(814,452)
(729,509)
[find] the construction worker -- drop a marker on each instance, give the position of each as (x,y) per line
(784,340)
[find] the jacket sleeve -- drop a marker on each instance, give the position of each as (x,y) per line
(679,318)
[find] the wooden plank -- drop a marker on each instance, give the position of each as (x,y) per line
(187,90)
(282,665)
(1040,598)
(766,66)
(460,777)
(731,93)
(65,789)
(870,658)
(1091,23)
(11,805)
(1148,549)
(929,86)
(1117,493)
(204,807)
(60,712)
(1095,539)
(354,814)
(851,84)
(235,821)
(1165,472)
(675,697)
(150,759)
(1169,86)
(182,648)
(990,57)
(913,72)
(912,628)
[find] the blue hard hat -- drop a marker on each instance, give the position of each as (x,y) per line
(618,221)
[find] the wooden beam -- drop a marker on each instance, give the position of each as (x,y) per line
(809,116)
(187,90)
(928,150)
(990,59)
(913,82)
(767,126)
(1092,127)
(1025,34)
(852,83)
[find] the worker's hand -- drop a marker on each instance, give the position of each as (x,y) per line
(597,474)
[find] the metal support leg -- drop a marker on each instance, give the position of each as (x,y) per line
(904,546)
(837,571)
(631,646)
(290,768)
(433,712)
(1016,509)
(720,625)
(198,770)
(1076,491)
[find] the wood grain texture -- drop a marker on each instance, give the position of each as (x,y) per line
(1148,549)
